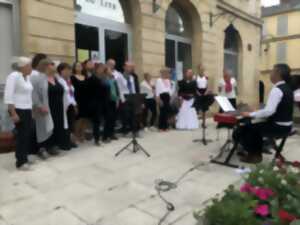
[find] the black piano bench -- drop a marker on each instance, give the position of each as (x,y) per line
(278,147)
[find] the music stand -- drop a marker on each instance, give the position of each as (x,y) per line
(202,103)
(135,102)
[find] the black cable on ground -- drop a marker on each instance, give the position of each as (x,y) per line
(162,186)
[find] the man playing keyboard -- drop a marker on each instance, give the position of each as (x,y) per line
(278,115)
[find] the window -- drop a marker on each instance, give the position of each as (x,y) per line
(232,50)
(108,9)
(282,25)
(281,52)
(176,22)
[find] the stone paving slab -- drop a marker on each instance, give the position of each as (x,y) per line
(89,186)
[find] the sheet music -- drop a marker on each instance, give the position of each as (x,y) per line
(225,104)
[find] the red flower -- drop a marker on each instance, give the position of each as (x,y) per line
(286,217)
(248,188)
(296,164)
(264,193)
(262,210)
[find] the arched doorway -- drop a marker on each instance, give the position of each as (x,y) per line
(103,30)
(181,24)
(232,51)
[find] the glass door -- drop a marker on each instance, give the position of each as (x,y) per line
(116,47)
(87,42)
(113,38)
(178,55)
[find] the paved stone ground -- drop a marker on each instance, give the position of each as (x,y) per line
(90,186)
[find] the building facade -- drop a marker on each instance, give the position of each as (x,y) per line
(179,34)
(281,38)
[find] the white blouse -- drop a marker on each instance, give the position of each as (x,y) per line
(68,90)
(202,82)
(163,86)
(222,85)
(147,89)
(18,91)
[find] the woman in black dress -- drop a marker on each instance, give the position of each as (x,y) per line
(56,95)
(79,82)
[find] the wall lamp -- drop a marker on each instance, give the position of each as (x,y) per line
(155,6)
(213,18)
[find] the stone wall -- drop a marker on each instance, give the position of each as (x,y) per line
(48,26)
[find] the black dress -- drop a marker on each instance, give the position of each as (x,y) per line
(60,134)
(81,96)
(187,89)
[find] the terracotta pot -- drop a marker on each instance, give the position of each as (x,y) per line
(7,142)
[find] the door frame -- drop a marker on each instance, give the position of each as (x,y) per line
(104,24)
(16,34)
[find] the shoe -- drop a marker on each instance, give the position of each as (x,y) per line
(25,167)
(66,149)
(53,152)
(73,145)
(42,154)
(97,143)
(252,159)
(31,162)
(106,141)
(242,153)
(153,129)
(114,138)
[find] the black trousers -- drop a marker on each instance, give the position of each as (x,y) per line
(127,118)
(71,115)
(251,136)
(150,105)
(96,122)
(165,111)
(110,120)
(23,136)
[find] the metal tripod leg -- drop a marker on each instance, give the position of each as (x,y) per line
(123,149)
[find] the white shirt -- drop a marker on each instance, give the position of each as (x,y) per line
(231,94)
(18,91)
(70,98)
(116,74)
(147,89)
(271,106)
(34,73)
(163,86)
(202,82)
(123,87)
(297,95)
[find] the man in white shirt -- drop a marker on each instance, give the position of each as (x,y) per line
(278,114)
(126,86)
(111,63)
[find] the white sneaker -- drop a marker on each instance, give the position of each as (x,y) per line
(153,129)
(25,167)
(31,161)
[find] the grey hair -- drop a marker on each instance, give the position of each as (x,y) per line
(19,62)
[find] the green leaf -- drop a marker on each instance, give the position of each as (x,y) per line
(297,222)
